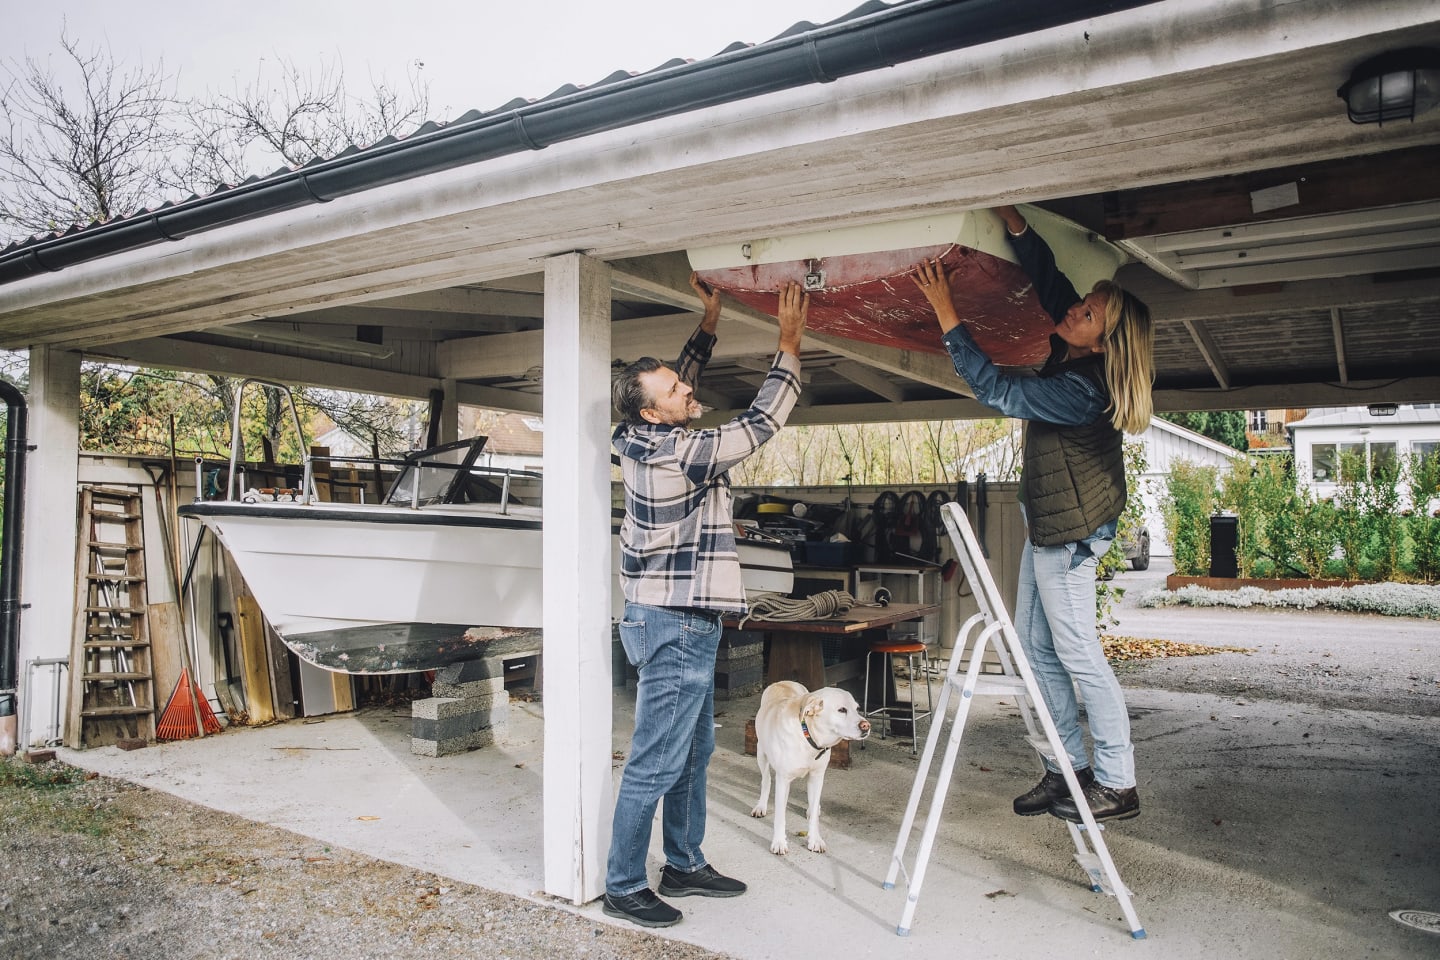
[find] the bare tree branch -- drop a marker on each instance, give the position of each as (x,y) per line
(291,116)
(91,144)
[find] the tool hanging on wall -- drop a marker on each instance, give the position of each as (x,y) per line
(982,504)
(910,526)
(885,512)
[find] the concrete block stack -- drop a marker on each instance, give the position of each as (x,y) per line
(739,664)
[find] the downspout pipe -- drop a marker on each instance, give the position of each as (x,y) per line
(15,449)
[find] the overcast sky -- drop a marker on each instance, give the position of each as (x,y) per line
(476,55)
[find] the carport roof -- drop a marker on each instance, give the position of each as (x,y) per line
(1291,258)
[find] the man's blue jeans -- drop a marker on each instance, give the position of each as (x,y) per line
(674,737)
(1055,618)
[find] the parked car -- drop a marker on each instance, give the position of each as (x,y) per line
(1136,552)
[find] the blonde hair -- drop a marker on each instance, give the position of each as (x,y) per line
(1129,341)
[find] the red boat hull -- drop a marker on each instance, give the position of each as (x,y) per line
(870,297)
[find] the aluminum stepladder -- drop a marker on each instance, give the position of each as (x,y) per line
(992,626)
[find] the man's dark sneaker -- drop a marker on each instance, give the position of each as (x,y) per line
(642,907)
(1106,803)
(1050,788)
(704,882)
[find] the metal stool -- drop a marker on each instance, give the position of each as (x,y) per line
(911,650)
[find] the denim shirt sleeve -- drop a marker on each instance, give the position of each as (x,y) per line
(1066,400)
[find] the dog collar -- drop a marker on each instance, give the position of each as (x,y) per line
(806,730)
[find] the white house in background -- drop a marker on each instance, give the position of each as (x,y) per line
(515,441)
(1164,442)
(1378,433)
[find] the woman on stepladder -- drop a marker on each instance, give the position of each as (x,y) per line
(1094,387)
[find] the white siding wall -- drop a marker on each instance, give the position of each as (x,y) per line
(1166,443)
(1410,430)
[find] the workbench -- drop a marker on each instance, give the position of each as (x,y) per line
(796,645)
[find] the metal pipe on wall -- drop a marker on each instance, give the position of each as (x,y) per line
(10,524)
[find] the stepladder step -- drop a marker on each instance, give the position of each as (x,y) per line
(999,685)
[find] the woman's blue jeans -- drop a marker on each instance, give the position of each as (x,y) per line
(1055,618)
(674,650)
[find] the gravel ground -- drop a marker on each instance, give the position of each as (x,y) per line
(82,879)
(1339,660)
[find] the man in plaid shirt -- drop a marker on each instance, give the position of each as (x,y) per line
(681,574)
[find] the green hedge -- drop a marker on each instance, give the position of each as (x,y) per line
(1284,530)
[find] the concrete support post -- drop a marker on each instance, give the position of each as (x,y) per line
(579,790)
(47,560)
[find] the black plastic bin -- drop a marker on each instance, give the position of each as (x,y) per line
(1224,542)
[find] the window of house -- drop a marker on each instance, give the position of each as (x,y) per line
(1352,461)
(1324,463)
(1425,448)
(1382,457)
(1259,423)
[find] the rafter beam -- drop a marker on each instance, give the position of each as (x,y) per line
(1300,395)
(231,361)
(422,320)
(863,376)
(955,409)
(1337,330)
(761,365)
(1210,351)
(477,301)
(510,354)
(1169,303)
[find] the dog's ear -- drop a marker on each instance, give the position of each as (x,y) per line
(814,705)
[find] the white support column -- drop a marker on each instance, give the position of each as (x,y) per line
(579,791)
(47,556)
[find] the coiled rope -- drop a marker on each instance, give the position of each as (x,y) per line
(779,608)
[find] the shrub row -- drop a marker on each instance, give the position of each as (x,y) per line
(1283,529)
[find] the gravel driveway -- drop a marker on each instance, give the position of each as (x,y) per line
(1340,660)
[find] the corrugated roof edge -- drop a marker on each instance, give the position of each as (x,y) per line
(872,36)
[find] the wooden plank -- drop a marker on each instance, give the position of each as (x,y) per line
(277,662)
(166,635)
(1332,186)
(344,692)
(320,471)
(254,659)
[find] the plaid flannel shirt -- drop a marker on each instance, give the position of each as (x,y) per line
(677,542)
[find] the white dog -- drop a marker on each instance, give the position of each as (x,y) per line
(794,731)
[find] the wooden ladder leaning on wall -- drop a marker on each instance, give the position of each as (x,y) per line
(112,693)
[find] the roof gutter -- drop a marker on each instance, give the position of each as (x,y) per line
(867,41)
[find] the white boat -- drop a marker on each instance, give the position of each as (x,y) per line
(447,569)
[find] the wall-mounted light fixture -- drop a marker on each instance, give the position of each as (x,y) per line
(1398,85)
(1382,409)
